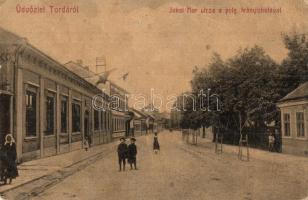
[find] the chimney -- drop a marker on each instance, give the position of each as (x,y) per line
(79,62)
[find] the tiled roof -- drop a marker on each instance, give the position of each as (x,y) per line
(9,37)
(301,92)
(82,72)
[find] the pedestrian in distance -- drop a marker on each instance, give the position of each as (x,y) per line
(156,147)
(86,144)
(9,149)
(132,153)
(271,141)
(277,140)
(122,153)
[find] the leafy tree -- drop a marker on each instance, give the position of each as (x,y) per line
(249,85)
(246,86)
(294,68)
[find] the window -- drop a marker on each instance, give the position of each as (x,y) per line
(114,128)
(31,113)
(96,120)
(300,124)
(75,117)
(286,121)
(108,120)
(102,120)
(105,120)
(64,115)
(50,115)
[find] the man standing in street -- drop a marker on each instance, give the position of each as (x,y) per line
(277,140)
(122,153)
(132,152)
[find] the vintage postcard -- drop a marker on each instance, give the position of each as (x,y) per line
(154,99)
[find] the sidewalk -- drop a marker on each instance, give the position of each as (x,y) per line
(255,154)
(36,169)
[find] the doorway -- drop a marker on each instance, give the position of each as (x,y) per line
(87,127)
(5,117)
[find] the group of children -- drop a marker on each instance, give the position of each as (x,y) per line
(129,152)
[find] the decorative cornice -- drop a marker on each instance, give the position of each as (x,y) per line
(46,63)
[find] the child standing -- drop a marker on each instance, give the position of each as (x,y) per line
(122,153)
(132,152)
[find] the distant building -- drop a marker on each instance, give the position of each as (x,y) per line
(294,121)
(139,121)
(158,120)
(163,120)
(150,109)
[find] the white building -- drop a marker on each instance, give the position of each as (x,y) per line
(294,121)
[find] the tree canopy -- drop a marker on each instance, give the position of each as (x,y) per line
(249,84)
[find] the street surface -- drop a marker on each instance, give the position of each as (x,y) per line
(186,172)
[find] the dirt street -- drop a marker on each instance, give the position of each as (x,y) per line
(185,172)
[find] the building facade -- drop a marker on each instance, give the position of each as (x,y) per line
(139,122)
(46,107)
(120,114)
(294,121)
(101,113)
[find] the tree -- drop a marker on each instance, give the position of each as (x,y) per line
(246,86)
(294,68)
(249,85)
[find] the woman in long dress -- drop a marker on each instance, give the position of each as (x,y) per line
(156,146)
(10,150)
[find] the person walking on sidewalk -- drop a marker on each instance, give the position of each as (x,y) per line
(122,153)
(132,152)
(11,156)
(156,146)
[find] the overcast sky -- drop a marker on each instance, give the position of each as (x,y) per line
(158,49)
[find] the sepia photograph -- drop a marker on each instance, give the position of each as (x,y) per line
(154,99)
